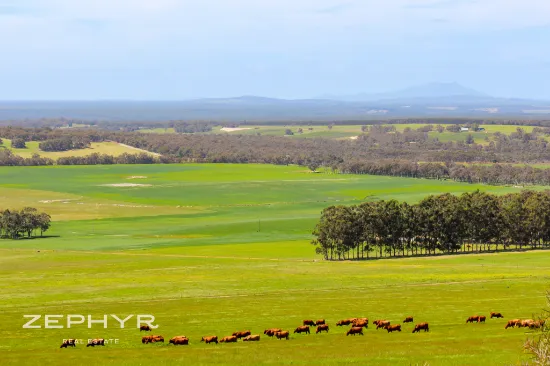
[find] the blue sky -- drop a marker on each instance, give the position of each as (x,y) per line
(181,49)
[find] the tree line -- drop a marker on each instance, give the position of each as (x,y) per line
(27,222)
(64,143)
(440,224)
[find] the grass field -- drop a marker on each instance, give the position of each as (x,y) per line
(109,148)
(212,249)
(349,131)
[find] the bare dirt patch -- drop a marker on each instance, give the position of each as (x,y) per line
(137,177)
(232,129)
(126,185)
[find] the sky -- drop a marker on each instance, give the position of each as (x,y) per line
(185,49)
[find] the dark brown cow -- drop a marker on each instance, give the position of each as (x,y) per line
(320,322)
(145,328)
(271,332)
(322,327)
(68,342)
(496,315)
(421,326)
(308,322)
(228,339)
(179,340)
(382,324)
(302,329)
(242,334)
(210,339)
(152,339)
(282,334)
(408,319)
(481,319)
(354,331)
(513,323)
(252,338)
(96,342)
(393,328)
(146,339)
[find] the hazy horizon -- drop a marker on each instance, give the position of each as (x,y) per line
(179,50)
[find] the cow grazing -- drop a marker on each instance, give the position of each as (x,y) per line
(320,322)
(308,322)
(481,319)
(229,339)
(242,334)
(345,322)
(537,324)
(382,324)
(271,332)
(302,329)
(179,340)
(472,319)
(158,338)
(421,326)
(282,334)
(408,319)
(496,315)
(144,328)
(354,331)
(512,323)
(146,339)
(393,328)
(526,323)
(68,342)
(211,339)
(321,328)
(252,338)
(96,342)
(360,324)
(152,339)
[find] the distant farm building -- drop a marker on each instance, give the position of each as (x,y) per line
(464,129)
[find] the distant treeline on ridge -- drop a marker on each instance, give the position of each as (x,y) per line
(445,224)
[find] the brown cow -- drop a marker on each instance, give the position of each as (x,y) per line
(526,323)
(393,328)
(96,342)
(282,334)
(68,342)
(320,322)
(146,339)
(419,327)
(210,339)
(382,324)
(472,319)
(179,340)
(271,332)
(408,319)
(345,322)
(302,329)
(322,327)
(513,323)
(158,338)
(252,338)
(481,319)
(496,315)
(537,324)
(354,331)
(145,328)
(360,324)
(228,339)
(244,333)
(308,322)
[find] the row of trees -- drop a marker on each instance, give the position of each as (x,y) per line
(64,144)
(27,222)
(446,223)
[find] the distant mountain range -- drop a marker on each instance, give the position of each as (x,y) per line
(429,100)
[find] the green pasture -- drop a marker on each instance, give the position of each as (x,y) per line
(212,249)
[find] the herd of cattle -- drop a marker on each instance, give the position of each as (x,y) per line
(357,325)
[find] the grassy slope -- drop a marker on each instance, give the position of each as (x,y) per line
(206,270)
(109,148)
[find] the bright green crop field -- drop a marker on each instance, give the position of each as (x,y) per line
(213,249)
